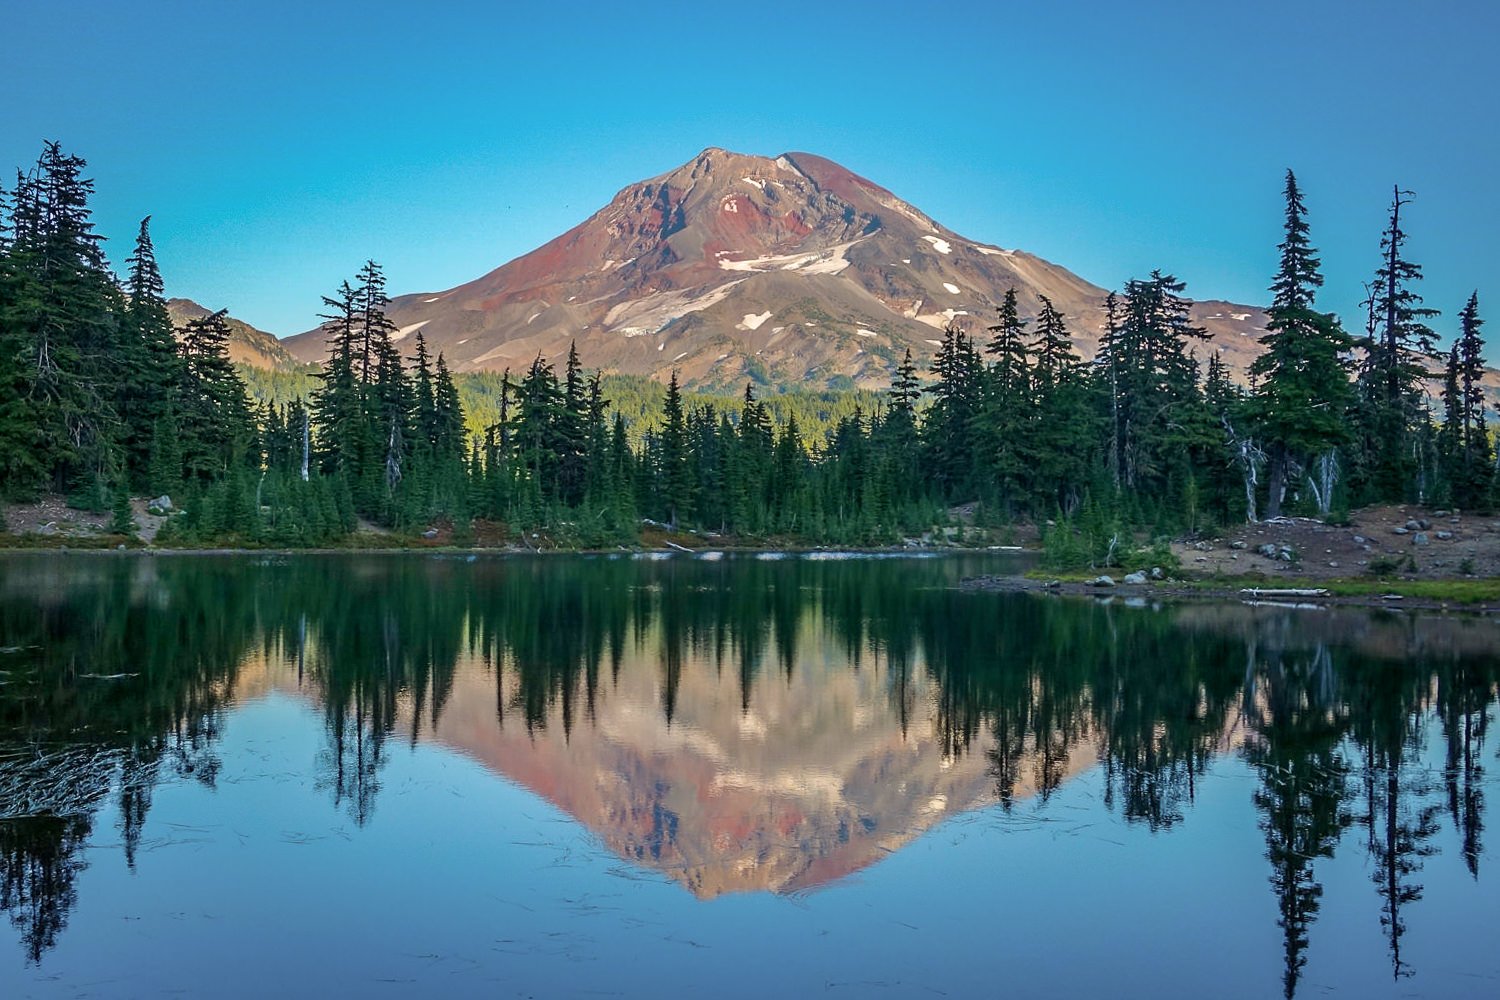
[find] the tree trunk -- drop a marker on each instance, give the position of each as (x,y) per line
(1276,484)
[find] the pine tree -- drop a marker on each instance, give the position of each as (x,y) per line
(675,475)
(150,367)
(572,432)
(336,405)
(950,428)
(1475,472)
(1006,408)
(215,425)
(1153,380)
(1303,388)
(1063,427)
(63,323)
(1391,380)
(164,474)
(123,520)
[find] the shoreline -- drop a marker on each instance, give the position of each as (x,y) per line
(720,550)
(1390,595)
(1447,593)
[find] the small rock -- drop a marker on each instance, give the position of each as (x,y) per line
(1237,544)
(1268,550)
(430,534)
(1440,513)
(1333,565)
(1156,573)
(1400,531)
(1235,556)
(1202,546)
(1442,536)
(1413,525)
(1359,539)
(1135,578)
(163,501)
(1420,538)
(1102,581)
(1053,585)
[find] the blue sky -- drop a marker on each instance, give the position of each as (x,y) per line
(277,145)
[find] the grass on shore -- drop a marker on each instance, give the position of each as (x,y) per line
(1452,591)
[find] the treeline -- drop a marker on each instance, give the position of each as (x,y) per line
(101,398)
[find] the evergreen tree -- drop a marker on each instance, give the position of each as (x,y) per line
(1152,380)
(1392,377)
(150,367)
(1302,381)
(336,406)
(1006,415)
(215,426)
(1063,426)
(1475,466)
(62,319)
(674,474)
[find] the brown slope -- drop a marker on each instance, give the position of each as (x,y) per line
(247,345)
(793,268)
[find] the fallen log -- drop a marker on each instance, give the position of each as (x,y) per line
(1285,591)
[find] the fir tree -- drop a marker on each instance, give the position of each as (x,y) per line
(150,367)
(675,475)
(214,421)
(1474,469)
(1302,380)
(1391,379)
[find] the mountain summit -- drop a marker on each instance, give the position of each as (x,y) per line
(790,269)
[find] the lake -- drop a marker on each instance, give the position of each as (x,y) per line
(421,774)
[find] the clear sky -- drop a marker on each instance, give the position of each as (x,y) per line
(277,145)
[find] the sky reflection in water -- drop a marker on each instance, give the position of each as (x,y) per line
(555,776)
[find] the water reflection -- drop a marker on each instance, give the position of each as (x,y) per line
(741,724)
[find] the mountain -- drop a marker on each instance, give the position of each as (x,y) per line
(818,778)
(247,345)
(790,269)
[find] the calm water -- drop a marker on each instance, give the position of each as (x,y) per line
(386,776)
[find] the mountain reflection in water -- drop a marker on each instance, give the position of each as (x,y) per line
(741,725)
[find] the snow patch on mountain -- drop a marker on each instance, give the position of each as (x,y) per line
(830,261)
(942,246)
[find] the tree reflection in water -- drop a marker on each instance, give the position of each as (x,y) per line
(120,673)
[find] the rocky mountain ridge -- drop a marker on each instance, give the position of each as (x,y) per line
(789,270)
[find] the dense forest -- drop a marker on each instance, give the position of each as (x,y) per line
(101,399)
